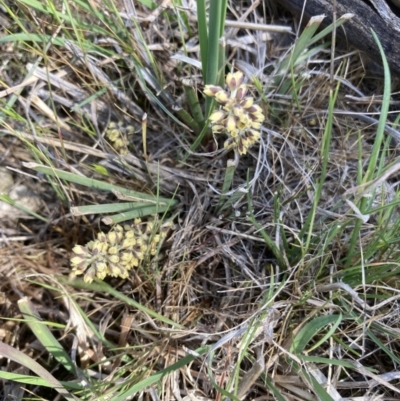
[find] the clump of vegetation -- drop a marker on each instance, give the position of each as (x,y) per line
(117,252)
(281,279)
(118,134)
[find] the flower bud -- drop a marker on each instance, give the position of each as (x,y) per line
(78,261)
(234,80)
(217,116)
(221,97)
(113,134)
(255,125)
(101,266)
(258,117)
(241,92)
(241,148)
(253,135)
(211,90)
(254,109)
(115,270)
(113,259)
(79,250)
(247,102)
(129,243)
(231,124)
(97,247)
(126,257)
(230,143)
(113,250)
(112,237)
(101,274)
(89,275)
(217,129)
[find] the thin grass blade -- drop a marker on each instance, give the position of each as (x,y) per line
(135,213)
(102,287)
(19,357)
(92,183)
(311,329)
(106,208)
(44,335)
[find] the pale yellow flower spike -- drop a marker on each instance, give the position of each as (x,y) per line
(238,117)
(115,253)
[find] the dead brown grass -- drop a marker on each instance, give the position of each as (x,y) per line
(216,272)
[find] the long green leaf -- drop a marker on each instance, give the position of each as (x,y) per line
(21,358)
(274,390)
(44,335)
(326,361)
(229,173)
(203,36)
(312,328)
(106,208)
(12,202)
(369,175)
(92,183)
(37,381)
(215,29)
(135,213)
(320,392)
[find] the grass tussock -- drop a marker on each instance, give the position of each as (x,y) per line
(278,274)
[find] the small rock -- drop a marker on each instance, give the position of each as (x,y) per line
(25,197)
(6,180)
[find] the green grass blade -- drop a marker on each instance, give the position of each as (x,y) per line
(268,240)
(320,392)
(188,119)
(194,105)
(156,378)
(37,381)
(199,138)
(230,172)
(301,45)
(106,208)
(371,170)
(92,183)
(135,213)
(328,335)
(380,132)
(383,347)
(203,35)
(312,328)
(309,224)
(24,37)
(102,287)
(276,393)
(304,40)
(19,357)
(216,28)
(44,335)
(328,30)
(12,202)
(326,361)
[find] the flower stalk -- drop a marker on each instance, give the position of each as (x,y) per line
(238,118)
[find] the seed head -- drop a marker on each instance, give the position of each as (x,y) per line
(237,114)
(118,251)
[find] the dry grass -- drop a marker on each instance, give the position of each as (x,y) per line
(215,277)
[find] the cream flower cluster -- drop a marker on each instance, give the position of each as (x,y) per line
(116,253)
(238,116)
(117,133)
